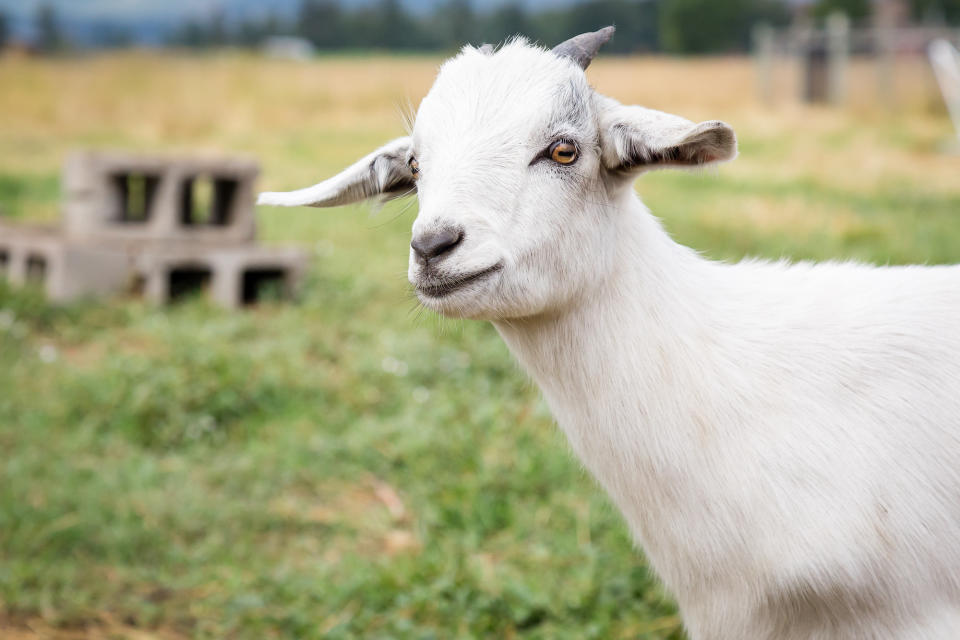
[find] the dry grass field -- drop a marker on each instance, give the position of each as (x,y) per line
(343,467)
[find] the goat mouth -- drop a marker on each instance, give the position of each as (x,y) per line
(442,288)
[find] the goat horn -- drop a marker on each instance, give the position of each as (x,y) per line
(583,47)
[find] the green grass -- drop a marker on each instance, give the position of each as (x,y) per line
(218,474)
(347,467)
(29,196)
(893,224)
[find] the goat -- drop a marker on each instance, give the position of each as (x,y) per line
(783,440)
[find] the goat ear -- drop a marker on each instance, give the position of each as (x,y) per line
(639,139)
(384,173)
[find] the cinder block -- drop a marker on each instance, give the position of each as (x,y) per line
(231,276)
(144,223)
(65,271)
(34,256)
(154,199)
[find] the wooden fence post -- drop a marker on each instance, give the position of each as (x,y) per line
(763,51)
(884,39)
(838,53)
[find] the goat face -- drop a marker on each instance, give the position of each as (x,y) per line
(519,167)
(506,151)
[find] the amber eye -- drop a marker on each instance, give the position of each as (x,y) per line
(563,152)
(414,167)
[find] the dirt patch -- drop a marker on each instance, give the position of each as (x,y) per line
(103,627)
(372,509)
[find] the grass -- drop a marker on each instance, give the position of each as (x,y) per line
(346,467)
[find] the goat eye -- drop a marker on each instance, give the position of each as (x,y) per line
(563,152)
(414,167)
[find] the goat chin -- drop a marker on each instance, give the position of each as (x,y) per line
(783,440)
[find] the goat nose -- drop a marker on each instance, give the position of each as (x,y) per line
(433,244)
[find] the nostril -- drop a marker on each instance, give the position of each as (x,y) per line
(436,243)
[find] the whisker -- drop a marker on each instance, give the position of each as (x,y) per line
(402,211)
(408,114)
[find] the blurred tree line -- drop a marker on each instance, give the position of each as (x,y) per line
(387,24)
(674,26)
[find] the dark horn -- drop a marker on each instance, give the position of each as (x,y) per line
(583,47)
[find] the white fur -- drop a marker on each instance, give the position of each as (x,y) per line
(783,440)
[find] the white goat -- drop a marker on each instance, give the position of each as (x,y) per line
(783,440)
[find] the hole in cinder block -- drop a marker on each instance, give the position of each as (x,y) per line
(187,281)
(36,268)
(134,195)
(264,285)
(207,201)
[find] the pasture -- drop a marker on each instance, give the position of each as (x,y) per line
(348,466)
